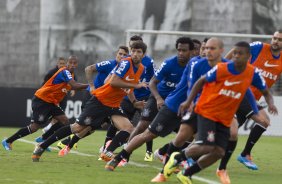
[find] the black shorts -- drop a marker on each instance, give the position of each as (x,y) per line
(191,121)
(212,133)
(94,113)
(150,110)
(86,96)
(63,103)
(165,122)
(129,109)
(245,111)
(42,111)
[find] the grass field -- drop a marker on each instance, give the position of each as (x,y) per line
(16,166)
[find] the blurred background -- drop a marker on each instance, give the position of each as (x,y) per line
(33,34)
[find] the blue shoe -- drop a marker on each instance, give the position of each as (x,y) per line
(247,161)
(39,139)
(190,162)
(7,146)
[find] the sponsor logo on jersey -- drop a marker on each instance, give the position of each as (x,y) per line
(228,83)
(266,64)
(230,93)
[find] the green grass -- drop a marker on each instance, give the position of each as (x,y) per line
(16,166)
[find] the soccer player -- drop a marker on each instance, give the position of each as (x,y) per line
(198,67)
(267,58)
(197,48)
(61,62)
(53,125)
(161,152)
(129,109)
(106,100)
(164,81)
(103,68)
(224,87)
(45,102)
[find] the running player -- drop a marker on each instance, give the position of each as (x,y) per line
(161,85)
(224,89)
(103,68)
(266,57)
(45,103)
(106,100)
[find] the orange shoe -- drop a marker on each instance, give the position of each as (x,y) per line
(122,163)
(223,176)
(107,156)
(64,151)
(159,178)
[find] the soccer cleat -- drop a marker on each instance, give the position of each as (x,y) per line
(122,163)
(159,178)
(75,145)
(148,156)
(158,155)
(247,161)
(190,162)
(107,156)
(60,145)
(171,165)
(183,179)
(7,146)
(111,165)
(39,140)
(223,176)
(64,151)
(102,148)
(38,151)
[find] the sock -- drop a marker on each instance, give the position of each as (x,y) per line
(20,133)
(186,144)
(73,140)
(111,132)
(254,136)
(180,157)
(52,130)
(228,153)
(61,133)
(192,170)
(170,150)
(118,140)
(149,146)
(163,150)
(122,155)
(66,141)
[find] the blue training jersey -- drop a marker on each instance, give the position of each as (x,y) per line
(179,95)
(63,76)
(255,51)
(199,69)
(103,68)
(148,73)
(169,74)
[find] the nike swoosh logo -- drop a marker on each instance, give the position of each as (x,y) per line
(227,83)
(266,64)
(173,74)
(128,79)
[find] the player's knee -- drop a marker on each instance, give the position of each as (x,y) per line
(33,127)
(76,128)
(219,152)
(142,125)
(233,135)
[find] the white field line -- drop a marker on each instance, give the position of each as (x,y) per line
(130,162)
